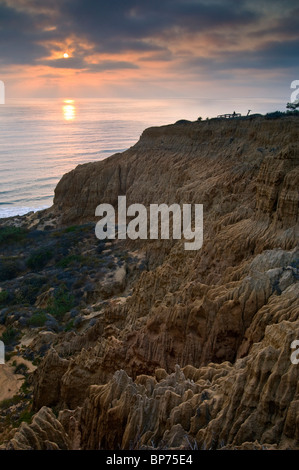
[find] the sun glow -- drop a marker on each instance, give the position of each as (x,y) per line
(65,55)
(69,110)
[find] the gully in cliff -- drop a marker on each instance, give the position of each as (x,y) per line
(138,227)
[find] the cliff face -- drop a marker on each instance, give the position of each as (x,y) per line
(209,162)
(226,314)
(252,404)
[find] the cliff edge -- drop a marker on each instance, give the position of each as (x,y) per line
(199,354)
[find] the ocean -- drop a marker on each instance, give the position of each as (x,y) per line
(41,140)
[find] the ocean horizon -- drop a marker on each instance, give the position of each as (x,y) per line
(41,140)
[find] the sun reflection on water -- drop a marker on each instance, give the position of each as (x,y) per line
(69,110)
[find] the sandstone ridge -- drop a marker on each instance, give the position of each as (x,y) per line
(199,354)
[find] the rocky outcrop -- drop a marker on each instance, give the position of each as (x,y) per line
(204,162)
(48,380)
(223,317)
(44,433)
(253,403)
(277,191)
(194,324)
(256,399)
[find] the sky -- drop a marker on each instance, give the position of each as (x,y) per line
(216,49)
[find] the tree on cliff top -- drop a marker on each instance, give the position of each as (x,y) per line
(294,105)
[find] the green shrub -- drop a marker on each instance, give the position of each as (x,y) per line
(69,326)
(5,404)
(72,228)
(9,268)
(70,260)
(29,290)
(25,417)
(3,297)
(39,258)
(275,115)
(183,121)
(37,319)
(25,387)
(11,234)
(8,355)
(9,335)
(62,302)
(21,368)
(293,113)
(76,228)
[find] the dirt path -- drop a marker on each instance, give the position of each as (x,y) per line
(9,382)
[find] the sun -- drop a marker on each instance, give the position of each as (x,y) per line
(65,55)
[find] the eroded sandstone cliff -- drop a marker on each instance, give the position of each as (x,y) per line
(199,354)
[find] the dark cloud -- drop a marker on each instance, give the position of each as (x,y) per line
(275,54)
(285,25)
(149,26)
(165,56)
(130,25)
(81,64)
(270,55)
(70,63)
(18,37)
(112,65)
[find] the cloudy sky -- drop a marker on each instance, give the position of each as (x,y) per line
(149,48)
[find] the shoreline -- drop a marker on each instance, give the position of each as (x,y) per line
(21,212)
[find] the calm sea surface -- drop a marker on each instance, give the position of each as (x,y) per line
(42,140)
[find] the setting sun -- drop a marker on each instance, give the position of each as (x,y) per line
(65,55)
(69,110)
